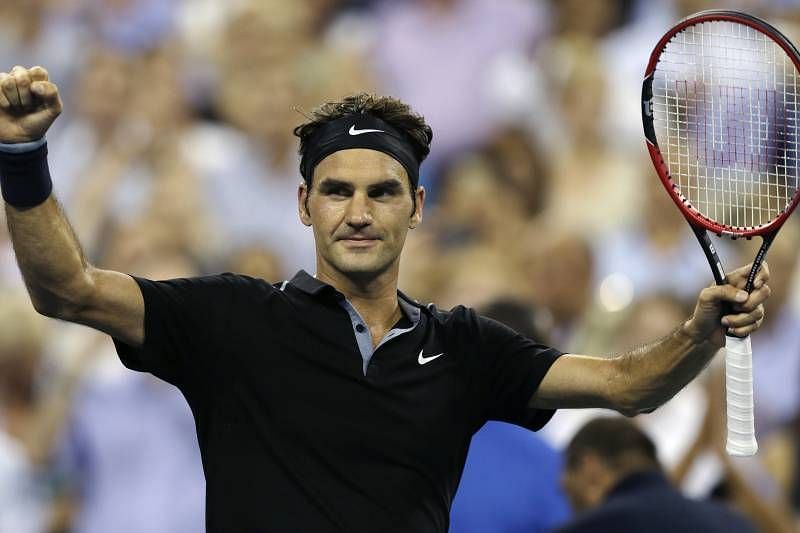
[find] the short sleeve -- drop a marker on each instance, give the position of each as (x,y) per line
(509,369)
(185,323)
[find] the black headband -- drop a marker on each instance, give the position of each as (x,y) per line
(359,131)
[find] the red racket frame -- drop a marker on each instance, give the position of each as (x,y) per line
(693,216)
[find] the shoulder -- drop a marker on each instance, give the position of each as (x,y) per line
(455,315)
(674,512)
(217,289)
(464,318)
(729,519)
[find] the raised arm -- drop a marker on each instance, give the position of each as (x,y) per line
(642,379)
(60,281)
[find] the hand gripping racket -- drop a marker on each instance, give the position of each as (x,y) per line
(721,113)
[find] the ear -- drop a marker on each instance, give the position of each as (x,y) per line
(416,216)
(302,204)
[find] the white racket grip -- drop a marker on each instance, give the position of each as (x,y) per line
(741,439)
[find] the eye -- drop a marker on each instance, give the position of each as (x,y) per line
(383,192)
(337,190)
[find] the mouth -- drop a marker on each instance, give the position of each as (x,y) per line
(359,241)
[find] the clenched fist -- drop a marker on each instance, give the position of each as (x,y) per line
(29,103)
(743,312)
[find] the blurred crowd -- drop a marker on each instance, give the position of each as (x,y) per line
(175,157)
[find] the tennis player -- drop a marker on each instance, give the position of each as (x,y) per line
(331,402)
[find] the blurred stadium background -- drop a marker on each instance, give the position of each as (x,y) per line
(175,157)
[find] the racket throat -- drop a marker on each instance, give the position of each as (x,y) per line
(711,255)
(762,253)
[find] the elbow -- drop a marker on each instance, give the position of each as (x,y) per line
(66,303)
(52,308)
(636,408)
(636,404)
(45,307)
(631,395)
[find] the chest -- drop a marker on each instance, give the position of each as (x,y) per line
(309,387)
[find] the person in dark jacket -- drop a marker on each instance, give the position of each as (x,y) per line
(615,483)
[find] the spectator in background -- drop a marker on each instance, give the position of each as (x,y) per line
(586,165)
(562,288)
(613,478)
(479,274)
(131,26)
(32,413)
(133,160)
(256,261)
(522,166)
(510,479)
(96,121)
(130,450)
(435,54)
(269,65)
(43,32)
(23,493)
(777,349)
(742,482)
(9,272)
(477,206)
(658,252)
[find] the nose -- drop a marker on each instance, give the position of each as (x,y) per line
(359,213)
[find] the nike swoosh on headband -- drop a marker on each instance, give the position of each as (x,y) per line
(354,131)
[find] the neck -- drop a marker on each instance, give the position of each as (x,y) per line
(373,296)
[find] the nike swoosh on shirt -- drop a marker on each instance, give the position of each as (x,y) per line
(354,131)
(423,360)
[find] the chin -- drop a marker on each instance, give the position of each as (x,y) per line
(360,266)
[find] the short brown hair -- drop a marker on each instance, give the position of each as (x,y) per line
(396,113)
(613,439)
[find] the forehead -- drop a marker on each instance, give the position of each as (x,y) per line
(360,165)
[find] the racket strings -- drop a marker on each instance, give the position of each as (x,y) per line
(726,114)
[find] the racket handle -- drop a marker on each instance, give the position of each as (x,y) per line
(739,395)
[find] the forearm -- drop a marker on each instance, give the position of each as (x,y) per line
(49,256)
(650,375)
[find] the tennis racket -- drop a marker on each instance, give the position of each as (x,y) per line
(721,106)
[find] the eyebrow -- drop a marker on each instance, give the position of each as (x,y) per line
(389,185)
(330,184)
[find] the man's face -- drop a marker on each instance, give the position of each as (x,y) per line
(360,209)
(585,482)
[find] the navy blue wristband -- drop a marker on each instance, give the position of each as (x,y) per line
(25,177)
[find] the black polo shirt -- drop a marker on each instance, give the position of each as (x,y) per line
(295,437)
